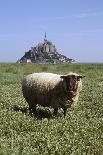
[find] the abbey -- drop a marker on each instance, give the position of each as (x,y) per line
(44,52)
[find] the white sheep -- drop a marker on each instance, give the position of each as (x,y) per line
(51,90)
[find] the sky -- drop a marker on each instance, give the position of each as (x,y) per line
(74,26)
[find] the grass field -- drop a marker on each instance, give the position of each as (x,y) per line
(80,133)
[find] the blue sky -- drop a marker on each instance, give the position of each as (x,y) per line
(74,26)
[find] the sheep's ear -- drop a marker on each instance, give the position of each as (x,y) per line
(80,77)
(63,76)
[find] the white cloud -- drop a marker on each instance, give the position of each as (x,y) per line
(85,15)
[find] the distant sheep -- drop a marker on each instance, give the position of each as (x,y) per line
(51,90)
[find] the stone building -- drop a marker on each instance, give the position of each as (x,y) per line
(45,52)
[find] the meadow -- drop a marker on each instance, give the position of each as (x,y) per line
(79,133)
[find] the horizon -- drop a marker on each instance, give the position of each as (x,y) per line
(74,27)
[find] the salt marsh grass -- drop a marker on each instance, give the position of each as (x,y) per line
(80,133)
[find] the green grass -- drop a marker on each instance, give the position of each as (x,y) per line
(80,133)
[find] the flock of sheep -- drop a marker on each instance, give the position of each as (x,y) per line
(52,90)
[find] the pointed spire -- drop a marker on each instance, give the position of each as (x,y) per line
(45,35)
(45,39)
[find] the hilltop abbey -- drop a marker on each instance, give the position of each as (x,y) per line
(45,52)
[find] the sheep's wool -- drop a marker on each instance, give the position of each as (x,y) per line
(48,89)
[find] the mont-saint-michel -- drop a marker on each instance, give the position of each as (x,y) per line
(44,53)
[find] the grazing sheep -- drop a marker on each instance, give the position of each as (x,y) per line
(51,90)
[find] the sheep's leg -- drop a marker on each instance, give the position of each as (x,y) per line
(65,110)
(32,108)
(55,111)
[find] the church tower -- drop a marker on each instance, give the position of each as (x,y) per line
(45,38)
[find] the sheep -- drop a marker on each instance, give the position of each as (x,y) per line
(51,90)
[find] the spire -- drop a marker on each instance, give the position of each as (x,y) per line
(45,35)
(45,39)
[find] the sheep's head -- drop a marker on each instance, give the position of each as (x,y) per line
(71,82)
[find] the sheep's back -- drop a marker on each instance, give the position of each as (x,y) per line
(40,87)
(41,81)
